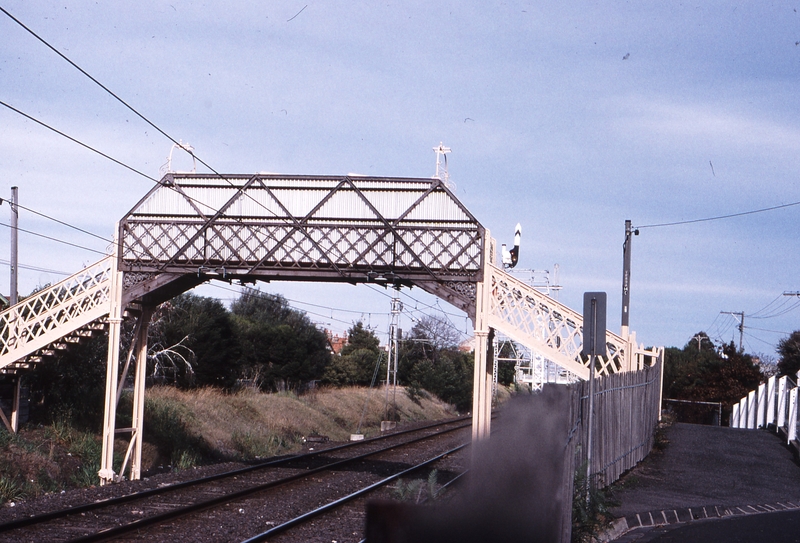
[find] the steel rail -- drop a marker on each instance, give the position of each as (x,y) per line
(53,515)
(109,533)
(334,504)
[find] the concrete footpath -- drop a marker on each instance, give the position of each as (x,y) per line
(705,472)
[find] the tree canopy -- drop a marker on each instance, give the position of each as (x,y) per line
(279,344)
(702,372)
(789,351)
(431,360)
(356,363)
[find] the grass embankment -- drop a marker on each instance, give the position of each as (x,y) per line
(187,428)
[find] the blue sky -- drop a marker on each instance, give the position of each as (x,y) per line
(567,117)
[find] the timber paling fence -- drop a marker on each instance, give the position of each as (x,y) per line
(773,404)
(627,407)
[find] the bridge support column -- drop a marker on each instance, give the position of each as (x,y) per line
(106,472)
(137,436)
(15,404)
(482,380)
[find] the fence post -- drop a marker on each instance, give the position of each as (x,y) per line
(782,401)
(770,401)
(734,422)
(751,410)
(792,430)
(761,400)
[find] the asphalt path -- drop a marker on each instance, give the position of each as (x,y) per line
(719,472)
(783,527)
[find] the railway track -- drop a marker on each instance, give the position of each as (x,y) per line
(256,501)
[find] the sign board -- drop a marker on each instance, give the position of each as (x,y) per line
(594,323)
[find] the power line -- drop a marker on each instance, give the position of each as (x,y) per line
(57,240)
(719,217)
(104,155)
(60,133)
(131,108)
(765,330)
(61,222)
(34,268)
(764,309)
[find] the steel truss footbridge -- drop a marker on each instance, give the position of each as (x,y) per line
(191,228)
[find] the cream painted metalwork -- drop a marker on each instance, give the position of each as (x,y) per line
(551,328)
(277,227)
(54,313)
(393,231)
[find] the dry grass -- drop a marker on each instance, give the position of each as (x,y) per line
(250,424)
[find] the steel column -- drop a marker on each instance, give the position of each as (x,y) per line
(138,394)
(106,472)
(15,404)
(482,380)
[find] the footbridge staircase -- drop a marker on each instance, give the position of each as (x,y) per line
(192,228)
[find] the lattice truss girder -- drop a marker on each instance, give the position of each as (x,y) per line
(547,326)
(246,247)
(347,227)
(55,312)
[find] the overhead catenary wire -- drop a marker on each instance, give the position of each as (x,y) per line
(51,238)
(34,268)
(104,155)
(74,140)
(59,221)
(329,316)
(129,107)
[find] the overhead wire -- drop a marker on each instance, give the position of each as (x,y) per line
(766,330)
(780,311)
(104,155)
(719,217)
(764,309)
(34,268)
(59,221)
(128,106)
(257,292)
(60,133)
(56,240)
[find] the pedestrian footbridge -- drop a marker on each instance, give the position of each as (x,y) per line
(191,228)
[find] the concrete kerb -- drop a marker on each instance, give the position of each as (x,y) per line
(667,517)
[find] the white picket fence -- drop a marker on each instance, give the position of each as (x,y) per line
(773,404)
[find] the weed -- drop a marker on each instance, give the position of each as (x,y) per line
(166,424)
(9,490)
(87,474)
(185,459)
(590,508)
(417,490)
(250,445)
(6,437)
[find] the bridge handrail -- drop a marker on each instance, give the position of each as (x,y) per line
(53,312)
(556,331)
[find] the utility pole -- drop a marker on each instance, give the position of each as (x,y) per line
(699,339)
(13,295)
(739,314)
(626,277)
(391,364)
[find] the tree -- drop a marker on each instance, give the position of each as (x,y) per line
(700,372)
(355,364)
(431,360)
(72,385)
(204,327)
(278,342)
(789,351)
